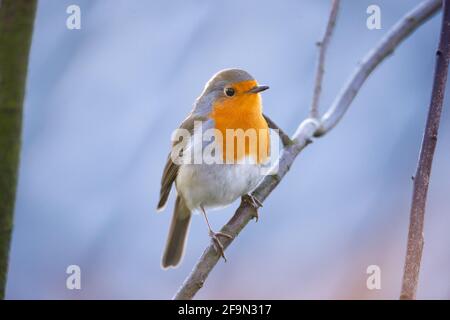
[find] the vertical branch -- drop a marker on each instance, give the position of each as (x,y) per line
(323,46)
(16,28)
(422,177)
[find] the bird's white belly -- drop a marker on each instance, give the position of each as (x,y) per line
(216,185)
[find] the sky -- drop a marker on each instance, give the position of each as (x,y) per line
(101,104)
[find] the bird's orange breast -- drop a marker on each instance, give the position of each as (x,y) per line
(238,114)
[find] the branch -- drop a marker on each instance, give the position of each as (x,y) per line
(401,30)
(422,177)
(16,28)
(308,129)
(323,45)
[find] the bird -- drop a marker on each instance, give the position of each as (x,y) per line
(230,100)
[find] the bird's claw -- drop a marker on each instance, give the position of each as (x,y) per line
(255,203)
(217,244)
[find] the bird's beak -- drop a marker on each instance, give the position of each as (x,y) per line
(258,89)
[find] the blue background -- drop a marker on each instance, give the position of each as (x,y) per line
(101,105)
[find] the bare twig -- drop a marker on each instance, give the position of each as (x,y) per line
(323,46)
(422,177)
(401,30)
(303,136)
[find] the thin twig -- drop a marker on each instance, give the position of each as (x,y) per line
(422,177)
(323,46)
(303,136)
(401,30)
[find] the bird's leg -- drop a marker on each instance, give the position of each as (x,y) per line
(254,202)
(214,236)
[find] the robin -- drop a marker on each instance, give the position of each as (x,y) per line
(230,101)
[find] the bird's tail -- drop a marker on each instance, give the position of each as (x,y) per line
(177,234)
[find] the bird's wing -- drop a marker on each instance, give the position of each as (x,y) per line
(283,136)
(171,169)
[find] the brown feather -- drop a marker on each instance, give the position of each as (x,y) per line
(177,235)
(171,169)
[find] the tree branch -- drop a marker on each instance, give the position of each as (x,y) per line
(422,177)
(401,30)
(16,28)
(308,129)
(323,46)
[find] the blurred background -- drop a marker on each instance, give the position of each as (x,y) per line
(101,105)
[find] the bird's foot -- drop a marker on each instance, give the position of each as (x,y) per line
(217,244)
(255,203)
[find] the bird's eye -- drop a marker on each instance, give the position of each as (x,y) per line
(229,91)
